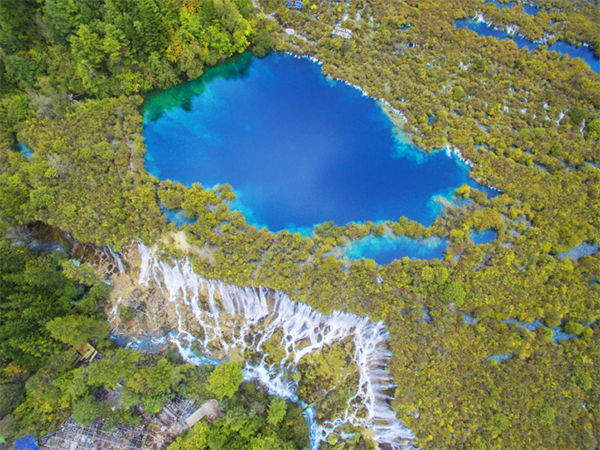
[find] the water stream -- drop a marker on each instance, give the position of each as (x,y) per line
(247,318)
(530,9)
(484,27)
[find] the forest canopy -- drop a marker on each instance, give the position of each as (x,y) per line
(73,75)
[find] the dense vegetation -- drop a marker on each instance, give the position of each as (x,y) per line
(46,310)
(251,421)
(528,120)
(575,22)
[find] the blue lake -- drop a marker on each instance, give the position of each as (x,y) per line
(483,237)
(298,148)
(483,29)
(386,249)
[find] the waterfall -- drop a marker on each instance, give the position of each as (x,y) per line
(116,258)
(115,310)
(257,315)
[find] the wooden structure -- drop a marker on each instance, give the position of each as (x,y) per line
(209,410)
(87,351)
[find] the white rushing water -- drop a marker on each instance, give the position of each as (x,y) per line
(256,315)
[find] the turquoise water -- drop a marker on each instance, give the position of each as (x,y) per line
(501,357)
(585,53)
(384,250)
(298,148)
(23,149)
(176,216)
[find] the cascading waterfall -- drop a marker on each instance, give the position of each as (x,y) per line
(259,314)
(117,259)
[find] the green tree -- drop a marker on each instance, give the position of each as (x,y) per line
(574,328)
(162,376)
(33,290)
(261,42)
(547,415)
(277,410)
(577,116)
(86,410)
(454,292)
(593,129)
(479,65)
(88,52)
(75,329)
(119,364)
(225,380)
(458,93)
(151,30)
(65,16)
(196,438)
(8,426)
(500,422)
(129,398)
(16,21)
(11,395)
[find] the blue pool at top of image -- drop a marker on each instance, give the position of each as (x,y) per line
(532,10)
(297,148)
(583,52)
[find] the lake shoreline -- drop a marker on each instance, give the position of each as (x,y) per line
(398,120)
(396,116)
(337,159)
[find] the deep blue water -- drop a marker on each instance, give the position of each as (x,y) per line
(585,53)
(385,249)
(483,237)
(531,9)
(297,148)
(483,29)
